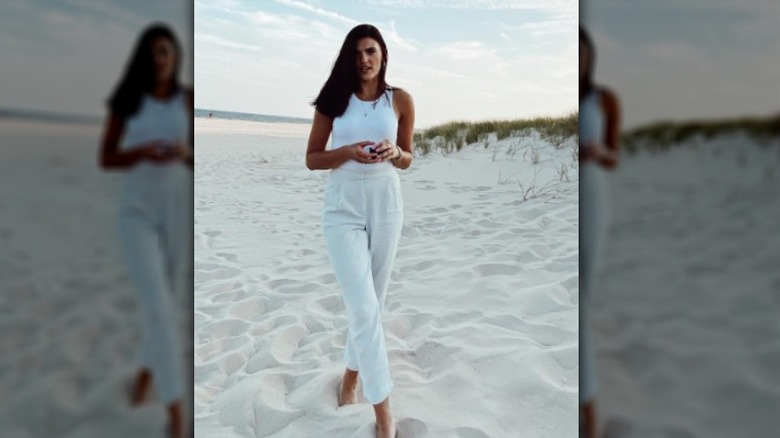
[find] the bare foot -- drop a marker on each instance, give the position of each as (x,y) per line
(139,391)
(387,430)
(348,391)
(588,420)
(385,425)
(175,421)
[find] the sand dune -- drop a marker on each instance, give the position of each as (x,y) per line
(481,316)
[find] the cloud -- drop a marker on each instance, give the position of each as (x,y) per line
(475,4)
(466,50)
(392,35)
(221,42)
(315,10)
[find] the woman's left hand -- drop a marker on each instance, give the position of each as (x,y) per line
(592,151)
(181,150)
(386,150)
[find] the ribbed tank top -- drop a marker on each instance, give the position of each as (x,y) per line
(157,120)
(365,121)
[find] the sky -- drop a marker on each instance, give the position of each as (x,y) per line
(460,60)
(688,59)
(68,55)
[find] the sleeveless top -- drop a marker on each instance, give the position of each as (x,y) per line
(371,121)
(157,120)
(591,119)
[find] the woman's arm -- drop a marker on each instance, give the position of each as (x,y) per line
(400,154)
(316,155)
(187,153)
(111,157)
(405,136)
(610,154)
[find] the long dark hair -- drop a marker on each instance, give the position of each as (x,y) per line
(140,75)
(586,83)
(344,80)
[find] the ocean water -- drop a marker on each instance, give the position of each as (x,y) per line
(230,115)
(48,116)
(51,116)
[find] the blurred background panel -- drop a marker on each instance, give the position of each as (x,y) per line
(67,56)
(683,316)
(69,321)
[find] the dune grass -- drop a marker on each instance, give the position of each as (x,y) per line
(453,136)
(661,136)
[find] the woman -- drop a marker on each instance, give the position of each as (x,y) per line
(372,125)
(147,135)
(599,136)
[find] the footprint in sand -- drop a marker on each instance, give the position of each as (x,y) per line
(470,432)
(211,234)
(412,428)
(326,278)
(331,303)
(227,256)
(232,363)
(417,267)
(254,309)
(225,329)
(215,273)
(229,297)
(432,354)
(491,269)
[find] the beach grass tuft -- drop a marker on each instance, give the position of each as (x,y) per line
(454,136)
(664,135)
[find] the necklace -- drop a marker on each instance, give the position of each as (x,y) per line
(363,104)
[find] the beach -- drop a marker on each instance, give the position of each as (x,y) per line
(67,311)
(686,321)
(481,318)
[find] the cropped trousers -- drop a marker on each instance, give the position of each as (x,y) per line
(362,221)
(155,230)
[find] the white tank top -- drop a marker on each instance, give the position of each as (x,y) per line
(157,120)
(365,121)
(591,119)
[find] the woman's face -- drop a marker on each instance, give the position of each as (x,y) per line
(584,60)
(368,58)
(164,55)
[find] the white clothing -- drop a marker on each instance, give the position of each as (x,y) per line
(362,221)
(365,121)
(594,216)
(155,230)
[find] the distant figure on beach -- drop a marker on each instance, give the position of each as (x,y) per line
(371,125)
(599,137)
(147,136)
(209,115)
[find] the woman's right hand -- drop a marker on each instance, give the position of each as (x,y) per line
(158,151)
(357,153)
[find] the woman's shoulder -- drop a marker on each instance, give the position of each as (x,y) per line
(401,97)
(608,97)
(188,94)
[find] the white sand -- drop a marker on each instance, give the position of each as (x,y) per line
(481,318)
(687,323)
(67,312)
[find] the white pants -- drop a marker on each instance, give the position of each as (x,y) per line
(155,229)
(362,220)
(594,225)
